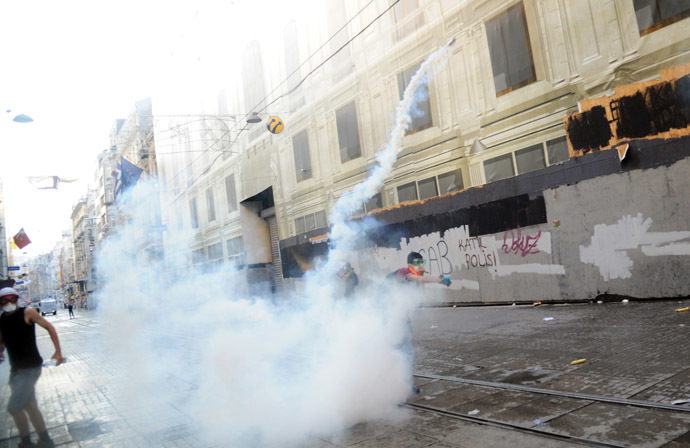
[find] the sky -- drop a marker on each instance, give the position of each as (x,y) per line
(77,66)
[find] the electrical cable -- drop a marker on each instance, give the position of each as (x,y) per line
(304,78)
(329,57)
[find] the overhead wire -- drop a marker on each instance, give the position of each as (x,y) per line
(329,57)
(309,58)
(302,80)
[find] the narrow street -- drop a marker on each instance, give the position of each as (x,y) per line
(489,377)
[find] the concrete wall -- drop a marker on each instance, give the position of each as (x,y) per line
(257,240)
(590,226)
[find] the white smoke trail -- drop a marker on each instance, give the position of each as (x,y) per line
(243,370)
(341,231)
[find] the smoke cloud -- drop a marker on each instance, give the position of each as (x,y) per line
(247,370)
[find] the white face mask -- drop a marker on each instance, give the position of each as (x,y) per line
(9,307)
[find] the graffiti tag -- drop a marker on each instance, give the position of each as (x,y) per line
(476,253)
(519,244)
(437,256)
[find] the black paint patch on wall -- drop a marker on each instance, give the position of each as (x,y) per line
(484,219)
(495,207)
(681,105)
(634,120)
(589,130)
(658,109)
(661,98)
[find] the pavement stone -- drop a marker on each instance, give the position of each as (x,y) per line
(634,351)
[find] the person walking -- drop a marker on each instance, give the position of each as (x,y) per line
(70,308)
(18,335)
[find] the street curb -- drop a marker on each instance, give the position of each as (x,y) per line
(604,298)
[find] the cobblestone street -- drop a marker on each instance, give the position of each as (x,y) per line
(489,377)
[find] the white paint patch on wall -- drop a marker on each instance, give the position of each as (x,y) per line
(610,243)
(457,285)
(669,249)
(544,243)
(529,268)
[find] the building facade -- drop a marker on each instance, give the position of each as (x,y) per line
(5,247)
(83,244)
(496,110)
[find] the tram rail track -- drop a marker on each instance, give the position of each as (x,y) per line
(538,431)
(576,395)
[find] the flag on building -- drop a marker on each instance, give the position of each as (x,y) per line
(21,239)
(127,174)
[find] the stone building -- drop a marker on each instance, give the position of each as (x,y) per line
(496,110)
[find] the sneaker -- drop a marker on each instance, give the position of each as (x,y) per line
(25,445)
(45,443)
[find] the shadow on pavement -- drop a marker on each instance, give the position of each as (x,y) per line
(84,430)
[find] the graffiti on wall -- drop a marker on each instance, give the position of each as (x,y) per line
(516,242)
(459,254)
(611,245)
(476,252)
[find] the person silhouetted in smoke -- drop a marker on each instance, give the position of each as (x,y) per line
(349,277)
(70,307)
(18,334)
(413,274)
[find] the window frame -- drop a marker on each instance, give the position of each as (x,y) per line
(235,258)
(404,25)
(219,247)
(548,156)
(199,257)
(661,23)
(193,213)
(349,156)
(429,180)
(539,147)
(319,220)
(210,205)
(300,228)
(510,156)
(413,183)
(457,173)
(230,187)
(528,42)
(298,170)
(544,144)
(411,70)
(367,203)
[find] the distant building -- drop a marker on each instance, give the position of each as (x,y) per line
(83,240)
(5,245)
(65,266)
